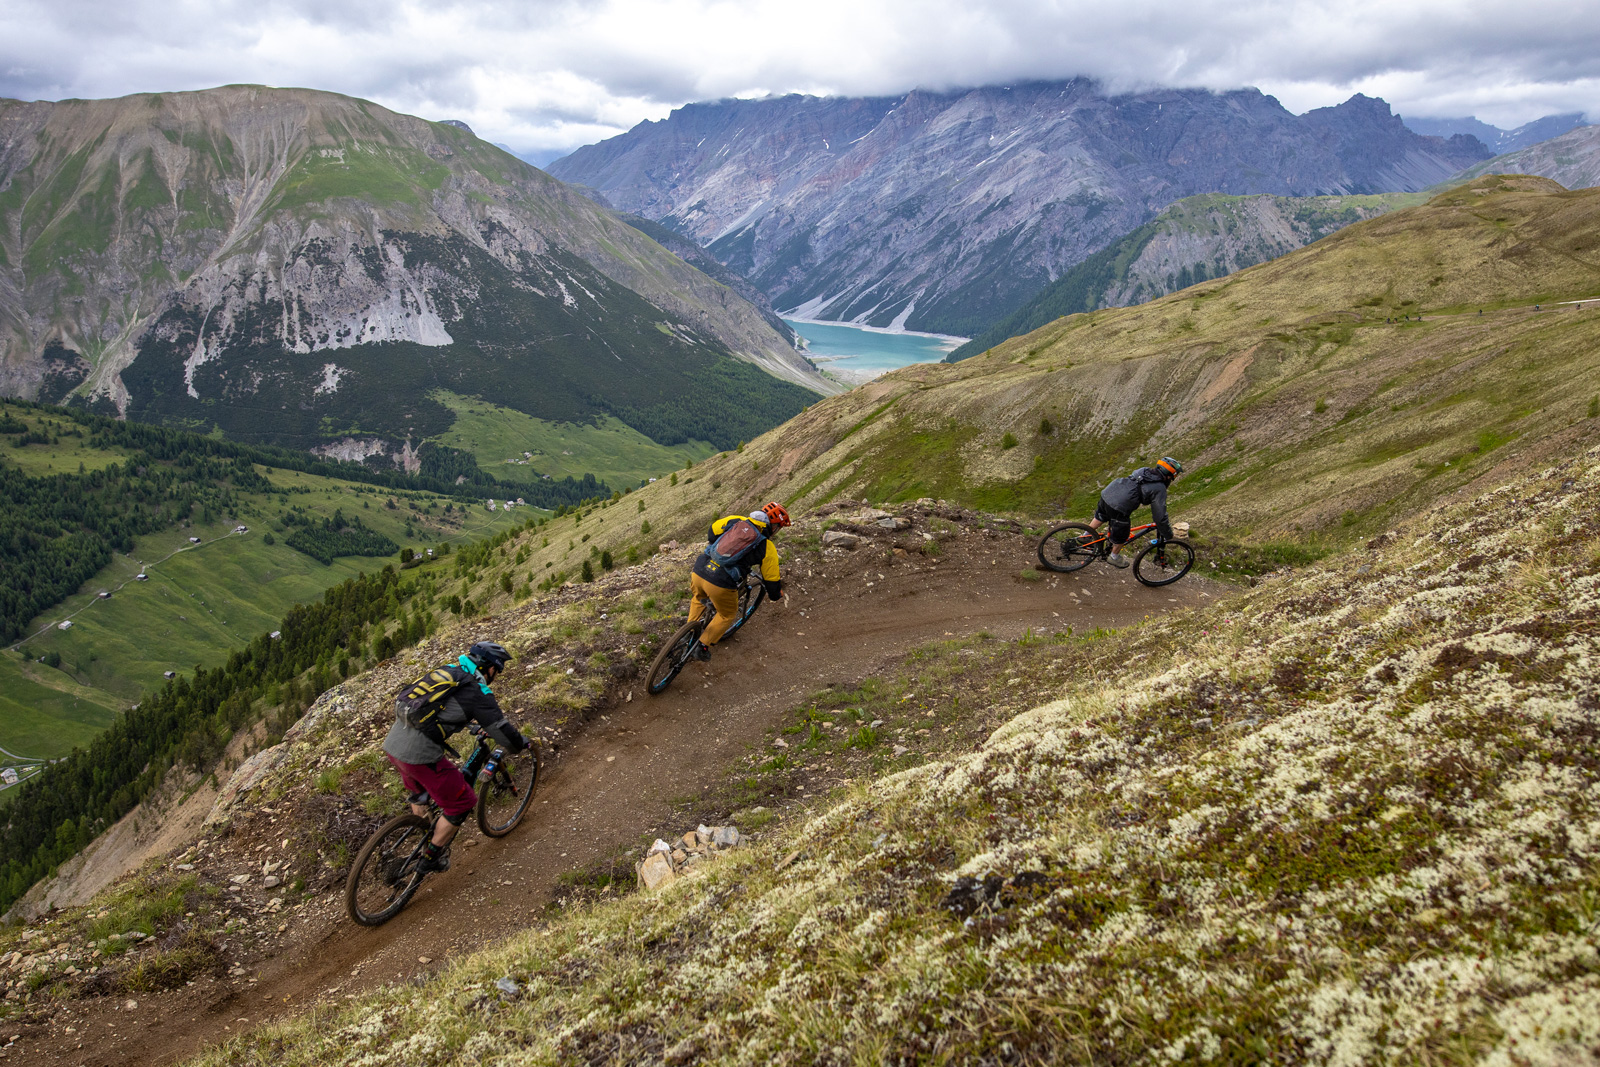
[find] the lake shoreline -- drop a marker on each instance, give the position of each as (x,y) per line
(858,354)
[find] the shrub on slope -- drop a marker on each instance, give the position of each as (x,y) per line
(1352,816)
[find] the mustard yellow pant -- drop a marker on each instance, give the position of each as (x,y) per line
(726,601)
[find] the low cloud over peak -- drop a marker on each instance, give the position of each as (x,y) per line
(547,76)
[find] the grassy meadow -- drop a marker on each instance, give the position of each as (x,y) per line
(613,451)
(199,602)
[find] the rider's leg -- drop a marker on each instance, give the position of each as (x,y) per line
(1104,513)
(1120,531)
(449,788)
(696,602)
(726,601)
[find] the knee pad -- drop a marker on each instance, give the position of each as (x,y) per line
(457,820)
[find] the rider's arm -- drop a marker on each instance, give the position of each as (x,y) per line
(716,528)
(484,709)
(1158,512)
(770,577)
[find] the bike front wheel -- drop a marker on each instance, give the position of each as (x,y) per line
(749,600)
(1164,563)
(387,870)
(504,798)
(1070,547)
(673,655)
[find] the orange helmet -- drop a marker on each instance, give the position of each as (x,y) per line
(776,516)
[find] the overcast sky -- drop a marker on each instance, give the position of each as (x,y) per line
(545,76)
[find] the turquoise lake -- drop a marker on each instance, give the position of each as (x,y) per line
(868,353)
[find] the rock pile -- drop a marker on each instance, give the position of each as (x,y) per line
(665,862)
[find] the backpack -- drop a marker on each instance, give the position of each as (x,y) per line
(735,541)
(420,702)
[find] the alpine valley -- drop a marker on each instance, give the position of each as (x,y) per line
(307,269)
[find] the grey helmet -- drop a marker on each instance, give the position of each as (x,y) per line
(488,654)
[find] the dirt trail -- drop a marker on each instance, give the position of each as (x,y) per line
(619,778)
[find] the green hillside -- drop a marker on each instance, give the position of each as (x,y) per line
(614,452)
(1316,399)
(199,601)
(1343,816)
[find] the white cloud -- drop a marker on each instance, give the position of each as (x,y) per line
(549,75)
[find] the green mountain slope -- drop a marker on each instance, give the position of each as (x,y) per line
(1315,399)
(142,494)
(1197,238)
(305,268)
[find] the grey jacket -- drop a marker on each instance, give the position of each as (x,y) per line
(1144,486)
(470,702)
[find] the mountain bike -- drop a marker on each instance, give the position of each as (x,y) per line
(677,651)
(1073,546)
(388,870)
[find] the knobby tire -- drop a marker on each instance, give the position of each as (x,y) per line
(1061,550)
(504,798)
(673,655)
(1163,564)
(386,871)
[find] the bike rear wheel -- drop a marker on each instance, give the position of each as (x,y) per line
(1070,547)
(1163,564)
(387,870)
(504,798)
(673,655)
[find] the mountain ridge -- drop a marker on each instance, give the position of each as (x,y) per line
(943,212)
(1497,140)
(184,256)
(1572,159)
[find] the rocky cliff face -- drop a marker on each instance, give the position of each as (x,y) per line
(301,266)
(946,211)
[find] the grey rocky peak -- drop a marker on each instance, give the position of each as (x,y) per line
(945,211)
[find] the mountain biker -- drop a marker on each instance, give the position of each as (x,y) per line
(734,545)
(1120,499)
(421,755)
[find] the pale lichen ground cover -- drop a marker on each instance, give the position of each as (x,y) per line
(1350,817)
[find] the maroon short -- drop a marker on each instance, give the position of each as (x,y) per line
(443,781)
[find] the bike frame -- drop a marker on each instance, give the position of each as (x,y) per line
(1134,533)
